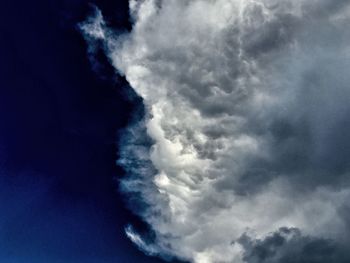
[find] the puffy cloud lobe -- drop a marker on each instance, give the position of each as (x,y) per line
(246,123)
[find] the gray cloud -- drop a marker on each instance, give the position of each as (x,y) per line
(245,130)
(288,245)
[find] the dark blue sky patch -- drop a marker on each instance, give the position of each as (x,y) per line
(59,123)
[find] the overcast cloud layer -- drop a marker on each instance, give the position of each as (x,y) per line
(243,154)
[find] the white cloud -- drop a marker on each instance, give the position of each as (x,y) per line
(244,100)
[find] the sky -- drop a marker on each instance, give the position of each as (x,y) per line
(200,131)
(58,130)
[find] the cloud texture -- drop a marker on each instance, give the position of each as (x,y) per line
(243,152)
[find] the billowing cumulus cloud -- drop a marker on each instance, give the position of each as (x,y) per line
(243,152)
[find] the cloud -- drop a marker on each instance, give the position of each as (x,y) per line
(289,246)
(245,130)
(139,241)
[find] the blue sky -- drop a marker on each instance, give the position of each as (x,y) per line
(59,120)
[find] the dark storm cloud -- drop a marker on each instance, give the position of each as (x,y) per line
(247,114)
(307,135)
(288,245)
